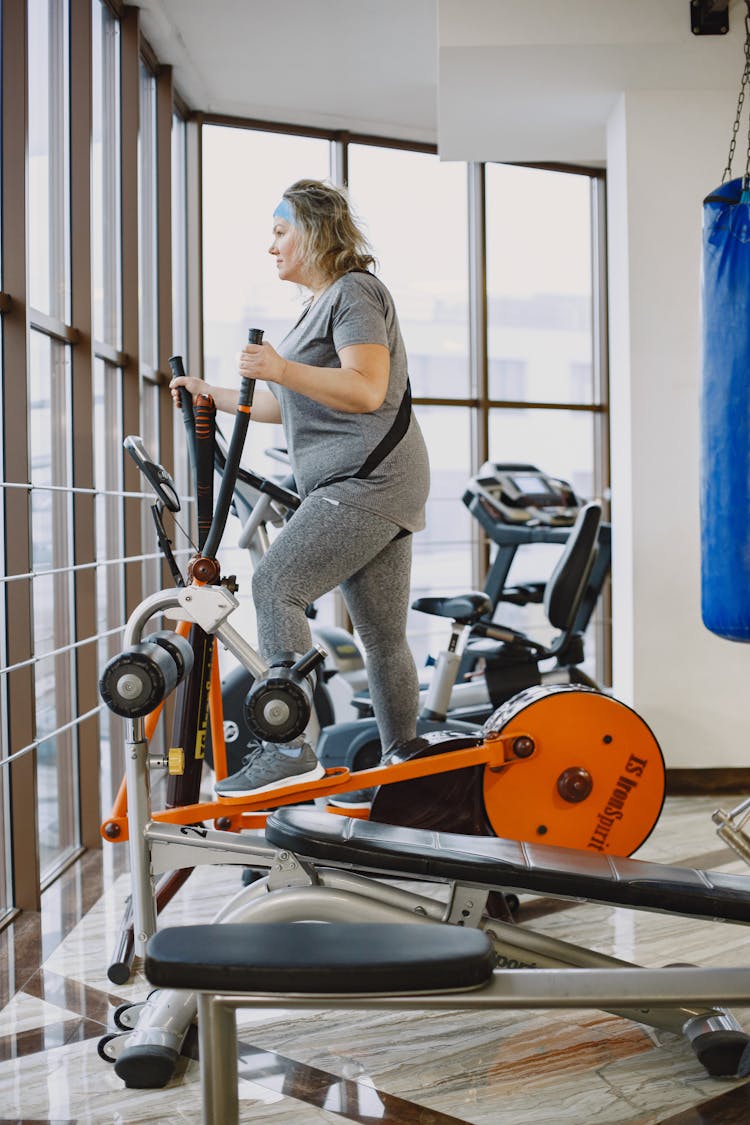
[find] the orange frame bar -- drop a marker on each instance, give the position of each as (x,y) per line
(233,814)
(250,812)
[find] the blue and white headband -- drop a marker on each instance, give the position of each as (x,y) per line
(284,211)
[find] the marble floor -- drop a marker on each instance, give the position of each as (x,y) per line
(309,1068)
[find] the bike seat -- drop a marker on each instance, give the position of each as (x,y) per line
(466,609)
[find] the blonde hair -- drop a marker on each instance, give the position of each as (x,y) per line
(332,242)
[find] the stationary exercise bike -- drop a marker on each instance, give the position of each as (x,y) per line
(588,741)
(519,506)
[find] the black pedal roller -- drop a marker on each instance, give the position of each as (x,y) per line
(137,680)
(278,706)
(178,647)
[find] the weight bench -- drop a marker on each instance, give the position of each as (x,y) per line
(337,874)
(489,862)
(397,966)
(304,963)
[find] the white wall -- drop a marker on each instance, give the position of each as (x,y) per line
(666,151)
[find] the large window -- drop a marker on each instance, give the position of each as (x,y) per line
(501,364)
(86,319)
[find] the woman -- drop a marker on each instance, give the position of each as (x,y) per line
(339,385)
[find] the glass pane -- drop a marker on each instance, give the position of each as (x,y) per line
(562,444)
(414,210)
(442,552)
(110,592)
(149,431)
(244,175)
(54,671)
(105,199)
(179,237)
(6,590)
(539,288)
(147,223)
(558,441)
(49,158)
(180,468)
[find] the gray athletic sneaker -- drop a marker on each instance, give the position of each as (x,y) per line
(266,767)
(357,799)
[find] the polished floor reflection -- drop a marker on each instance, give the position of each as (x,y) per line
(312,1067)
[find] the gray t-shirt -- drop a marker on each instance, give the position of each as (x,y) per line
(325,443)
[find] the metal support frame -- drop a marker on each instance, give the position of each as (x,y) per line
(517,989)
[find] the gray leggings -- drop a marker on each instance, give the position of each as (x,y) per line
(325,546)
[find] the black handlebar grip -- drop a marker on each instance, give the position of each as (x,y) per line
(232,464)
(178,372)
(247,386)
(176,366)
(186,405)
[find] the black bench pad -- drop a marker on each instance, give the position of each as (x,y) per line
(487,861)
(319,958)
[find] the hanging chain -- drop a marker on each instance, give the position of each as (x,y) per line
(740,104)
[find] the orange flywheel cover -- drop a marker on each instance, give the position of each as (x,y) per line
(594,781)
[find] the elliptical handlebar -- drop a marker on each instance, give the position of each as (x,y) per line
(177,368)
(237,441)
(232,466)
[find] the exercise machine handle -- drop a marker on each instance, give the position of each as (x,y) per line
(226,491)
(204,410)
(254,336)
(177,368)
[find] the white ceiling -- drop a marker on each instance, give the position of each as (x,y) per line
(485,79)
(540,81)
(363,65)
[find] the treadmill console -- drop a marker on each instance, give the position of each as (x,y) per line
(520,495)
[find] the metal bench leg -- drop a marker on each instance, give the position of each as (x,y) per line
(217,1031)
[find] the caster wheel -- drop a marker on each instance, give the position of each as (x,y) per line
(124,1021)
(102,1048)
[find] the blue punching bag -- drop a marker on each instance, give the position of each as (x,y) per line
(725,412)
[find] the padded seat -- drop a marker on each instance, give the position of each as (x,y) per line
(316,959)
(466,609)
(487,861)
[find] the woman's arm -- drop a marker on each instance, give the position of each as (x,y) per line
(265,407)
(359,386)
